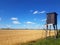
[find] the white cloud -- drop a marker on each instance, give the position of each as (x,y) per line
(38,12)
(14,18)
(43,20)
(42,12)
(35,12)
(16,22)
(28,22)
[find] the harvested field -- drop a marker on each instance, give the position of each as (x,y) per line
(13,37)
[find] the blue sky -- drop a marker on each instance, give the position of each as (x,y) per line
(27,13)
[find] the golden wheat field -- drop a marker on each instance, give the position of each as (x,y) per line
(13,37)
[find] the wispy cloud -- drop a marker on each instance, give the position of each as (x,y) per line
(16,22)
(35,12)
(42,12)
(29,22)
(14,18)
(38,12)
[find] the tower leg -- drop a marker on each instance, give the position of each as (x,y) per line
(46,30)
(56,32)
(47,27)
(54,26)
(50,30)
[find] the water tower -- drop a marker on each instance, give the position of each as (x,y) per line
(51,19)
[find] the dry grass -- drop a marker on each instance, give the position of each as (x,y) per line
(12,37)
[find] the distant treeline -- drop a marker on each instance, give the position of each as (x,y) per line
(23,29)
